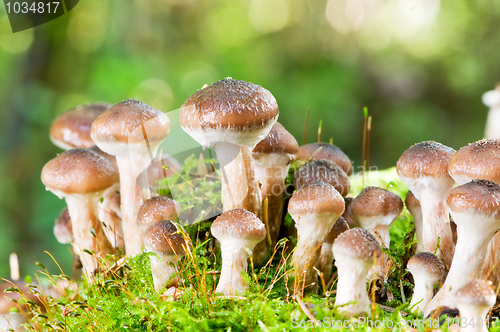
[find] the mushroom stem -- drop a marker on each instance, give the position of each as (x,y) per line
(351,285)
(473,318)
(110,215)
(422,294)
(234,262)
(83,213)
(163,267)
(240,188)
(473,237)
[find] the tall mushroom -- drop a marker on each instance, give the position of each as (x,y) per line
(232,116)
(325,262)
(272,159)
(475,208)
(315,208)
(80,176)
(355,252)
(413,205)
(326,151)
(474,301)
(325,171)
(238,231)
(131,131)
(424,168)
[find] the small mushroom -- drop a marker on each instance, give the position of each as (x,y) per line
(474,300)
(326,151)
(325,262)
(492,100)
(157,209)
(315,208)
(80,176)
(63,231)
(132,132)
(164,239)
(475,207)
(325,171)
(426,270)
(413,205)
(238,231)
(347,213)
(424,168)
(355,251)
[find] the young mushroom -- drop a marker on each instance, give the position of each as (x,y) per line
(424,168)
(325,262)
(157,209)
(426,270)
(492,100)
(475,208)
(131,131)
(80,176)
(355,252)
(326,151)
(315,208)
(71,129)
(413,205)
(163,239)
(238,232)
(63,231)
(232,116)
(474,301)
(325,171)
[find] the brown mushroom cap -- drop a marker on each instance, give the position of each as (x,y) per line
(71,129)
(157,209)
(356,243)
(318,198)
(63,229)
(340,227)
(325,171)
(78,171)
(163,238)
(427,263)
(279,141)
(229,104)
(427,158)
(110,158)
(239,223)
(126,121)
(476,292)
(478,160)
(376,202)
(478,196)
(325,151)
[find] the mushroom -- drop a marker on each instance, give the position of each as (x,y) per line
(315,208)
(413,205)
(71,129)
(481,160)
(80,176)
(164,239)
(272,158)
(131,131)
(492,100)
(63,231)
(355,251)
(232,116)
(347,213)
(474,300)
(426,270)
(326,151)
(424,168)
(157,209)
(325,171)
(475,207)
(325,262)
(238,231)
(375,209)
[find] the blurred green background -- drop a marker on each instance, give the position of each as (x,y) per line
(420,66)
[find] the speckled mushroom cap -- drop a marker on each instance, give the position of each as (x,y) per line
(325,151)
(411,202)
(477,196)
(110,158)
(127,121)
(78,171)
(71,129)
(428,264)
(340,227)
(278,141)
(425,159)
(63,229)
(163,238)
(325,171)
(476,292)
(356,243)
(376,202)
(478,160)
(222,111)
(317,198)
(239,223)
(157,209)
